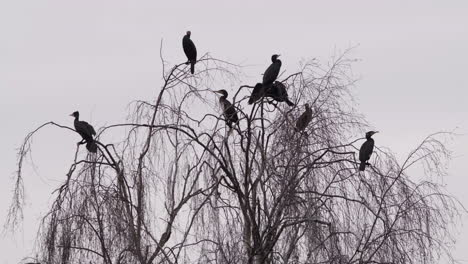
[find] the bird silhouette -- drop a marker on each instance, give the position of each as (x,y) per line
(229,111)
(86,131)
(366,150)
(257,93)
(304,119)
(190,51)
(272,71)
(278,92)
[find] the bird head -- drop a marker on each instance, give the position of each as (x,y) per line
(223,92)
(274,57)
(370,133)
(189,33)
(75,114)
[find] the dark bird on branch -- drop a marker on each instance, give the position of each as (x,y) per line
(257,93)
(86,131)
(190,51)
(304,120)
(229,111)
(273,71)
(278,92)
(366,150)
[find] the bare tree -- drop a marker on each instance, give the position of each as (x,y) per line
(183,188)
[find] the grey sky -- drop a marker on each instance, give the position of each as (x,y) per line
(96,56)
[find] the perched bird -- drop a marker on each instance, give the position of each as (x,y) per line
(86,131)
(257,93)
(366,150)
(272,72)
(190,51)
(304,120)
(229,111)
(278,92)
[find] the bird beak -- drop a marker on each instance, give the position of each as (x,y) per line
(279,55)
(71,114)
(219,91)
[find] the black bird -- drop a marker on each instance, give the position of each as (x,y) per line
(229,111)
(278,92)
(257,93)
(366,150)
(272,72)
(86,131)
(190,51)
(304,120)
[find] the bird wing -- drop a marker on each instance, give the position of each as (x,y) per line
(278,92)
(82,128)
(189,48)
(257,93)
(281,90)
(303,121)
(89,128)
(230,111)
(271,73)
(365,151)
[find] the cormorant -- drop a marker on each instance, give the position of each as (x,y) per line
(278,92)
(272,72)
(304,120)
(86,131)
(257,93)
(366,150)
(229,112)
(190,51)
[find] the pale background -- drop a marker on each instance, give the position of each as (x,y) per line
(97,56)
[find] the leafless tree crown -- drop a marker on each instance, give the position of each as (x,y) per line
(181,188)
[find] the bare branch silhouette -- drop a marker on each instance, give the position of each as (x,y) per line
(180,187)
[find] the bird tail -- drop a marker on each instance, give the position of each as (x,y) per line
(192,67)
(289,102)
(91,146)
(362,166)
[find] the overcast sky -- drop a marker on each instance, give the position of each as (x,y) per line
(97,56)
